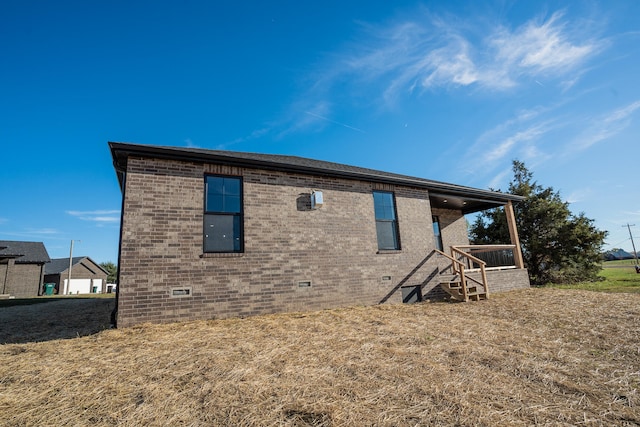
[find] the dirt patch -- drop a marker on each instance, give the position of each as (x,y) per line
(57,319)
(535,357)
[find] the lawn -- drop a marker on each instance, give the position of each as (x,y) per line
(532,357)
(619,262)
(618,276)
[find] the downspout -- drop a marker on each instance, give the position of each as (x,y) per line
(40,290)
(6,276)
(114,313)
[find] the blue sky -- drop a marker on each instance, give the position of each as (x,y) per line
(451,91)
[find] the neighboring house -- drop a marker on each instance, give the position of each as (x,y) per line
(214,234)
(615,254)
(87,277)
(22,268)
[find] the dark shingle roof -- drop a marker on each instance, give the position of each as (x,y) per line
(478,199)
(58,265)
(24,252)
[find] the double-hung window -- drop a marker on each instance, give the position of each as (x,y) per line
(437,233)
(223,214)
(386,223)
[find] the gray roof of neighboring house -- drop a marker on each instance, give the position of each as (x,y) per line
(60,265)
(24,252)
(467,199)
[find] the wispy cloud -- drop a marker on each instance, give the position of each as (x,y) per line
(98,216)
(3,220)
(506,146)
(256,134)
(539,47)
(33,233)
(606,126)
(496,148)
(190,144)
(317,116)
(579,195)
(635,214)
(425,52)
(498,180)
(303,121)
(431,52)
(40,231)
(517,137)
(307,116)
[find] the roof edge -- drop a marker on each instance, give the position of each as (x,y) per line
(120,152)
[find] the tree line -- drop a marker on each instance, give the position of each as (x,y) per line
(558,246)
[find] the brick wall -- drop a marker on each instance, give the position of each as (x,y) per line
(507,280)
(21,280)
(286,243)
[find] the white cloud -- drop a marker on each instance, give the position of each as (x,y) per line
(538,47)
(514,138)
(632,214)
(499,180)
(190,144)
(450,64)
(98,216)
(623,113)
(579,195)
(334,122)
(430,52)
(308,116)
(33,233)
(514,141)
(48,231)
(606,126)
(256,134)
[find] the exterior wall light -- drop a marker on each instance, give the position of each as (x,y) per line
(317,199)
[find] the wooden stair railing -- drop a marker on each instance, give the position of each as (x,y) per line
(457,284)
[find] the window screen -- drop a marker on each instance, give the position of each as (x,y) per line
(223,214)
(386,223)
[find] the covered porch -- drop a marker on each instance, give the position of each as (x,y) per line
(472,272)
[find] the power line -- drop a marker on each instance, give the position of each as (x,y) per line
(632,244)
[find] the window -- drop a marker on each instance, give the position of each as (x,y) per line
(386,223)
(223,214)
(437,233)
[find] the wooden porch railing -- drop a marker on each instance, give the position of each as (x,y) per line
(458,268)
(496,257)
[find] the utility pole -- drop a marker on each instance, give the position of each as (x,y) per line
(68,286)
(632,244)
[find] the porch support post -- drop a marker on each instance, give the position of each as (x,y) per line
(513,234)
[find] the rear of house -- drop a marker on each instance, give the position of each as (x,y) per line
(214,234)
(87,276)
(22,268)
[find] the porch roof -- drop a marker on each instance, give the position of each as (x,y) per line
(442,195)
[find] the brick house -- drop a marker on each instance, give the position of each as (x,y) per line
(214,234)
(87,277)
(22,268)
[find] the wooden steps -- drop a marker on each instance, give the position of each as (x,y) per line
(452,285)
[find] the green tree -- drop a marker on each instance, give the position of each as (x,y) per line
(112,269)
(557,246)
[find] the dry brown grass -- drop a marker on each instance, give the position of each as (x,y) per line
(535,357)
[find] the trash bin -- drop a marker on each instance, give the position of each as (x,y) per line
(49,288)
